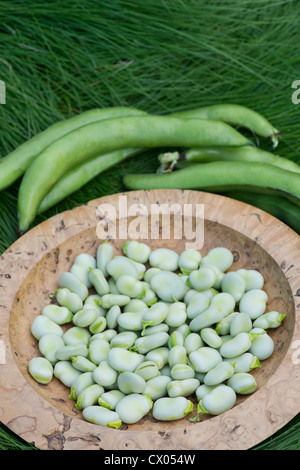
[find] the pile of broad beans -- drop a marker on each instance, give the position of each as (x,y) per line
(154,331)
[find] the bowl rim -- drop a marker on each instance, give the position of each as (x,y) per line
(34,419)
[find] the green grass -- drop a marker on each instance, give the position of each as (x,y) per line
(61,58)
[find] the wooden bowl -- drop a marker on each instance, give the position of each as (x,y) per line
(43,414)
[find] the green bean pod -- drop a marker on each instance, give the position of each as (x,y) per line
(133,407)
(221,177)
(246,154)
(89,396)
(238,115)
(41,370)
(171,409)
(100,415)
(16,163)
(107,136)
(81,268)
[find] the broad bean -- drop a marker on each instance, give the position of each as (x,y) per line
(98,281)
(144,344)
(211,338)
(177,355)
(253,279)
(202,279)
(176,338)
(123,360)
(147,370)
(219,256)
(120,265)
(110,399)
(130,286)
(85,317)
(75,335)
(48,345)
(242,383)
(164,259)
(189,260)
(150,273)
(64,353)
(167,286)
(156,387)
(83,364)
(182,371)
(98,325)
(69,281)
(41,370)
(94,301)
(211,315)
(58,314)
(218,374)
(177,314)
(192,342)
(171,409)
(262,346)
(104,255)
(131,320)
(68,299)
(99,350)
(66,373)
(130,382)
(240,323)
(244,363)
(159,356)
(42,325)
(204,359)
(233,284)
(89,396)
(224,301)
(271,319)
(237,345)
(133,407)
(222,398)
(156,314)
(100,415)
(182,388)
(136,251)
(104,374)
(253,302)
(125,340)
(83,381)
(81,267)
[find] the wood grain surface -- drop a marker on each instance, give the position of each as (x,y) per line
(29,271)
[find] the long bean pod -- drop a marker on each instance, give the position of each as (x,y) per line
(13,165)
(110,135)
(247,153)
(238,115)
(223,176)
